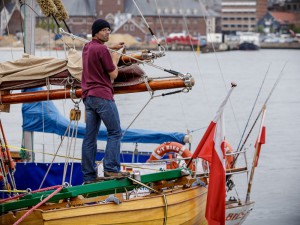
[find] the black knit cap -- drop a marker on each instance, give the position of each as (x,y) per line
(98,25)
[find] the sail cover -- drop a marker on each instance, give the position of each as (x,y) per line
(45,117)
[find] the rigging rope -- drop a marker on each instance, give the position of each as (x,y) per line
(219,66)
(67,130)
(38,205)
(160,48)
(176,73)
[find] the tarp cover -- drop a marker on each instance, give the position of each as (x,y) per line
(31,67)
(45,117)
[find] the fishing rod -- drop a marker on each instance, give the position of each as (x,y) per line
(180,75)
(260,112)
(258,94)
(229,182)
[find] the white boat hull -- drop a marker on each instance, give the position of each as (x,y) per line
(237,213)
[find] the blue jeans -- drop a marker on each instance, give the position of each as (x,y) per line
(98,109)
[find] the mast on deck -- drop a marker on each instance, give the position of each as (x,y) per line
(29,48)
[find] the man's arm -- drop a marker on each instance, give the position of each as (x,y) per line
(115,58)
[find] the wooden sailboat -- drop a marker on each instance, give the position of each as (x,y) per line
(172,202)
(174,197)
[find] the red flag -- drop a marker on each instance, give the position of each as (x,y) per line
(211,148)
(206,147)
(260,140)
(215,208)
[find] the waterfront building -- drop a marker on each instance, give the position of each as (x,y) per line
(241,15)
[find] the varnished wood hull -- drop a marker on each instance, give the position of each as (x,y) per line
(181,207)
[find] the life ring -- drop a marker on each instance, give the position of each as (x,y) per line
(172,147)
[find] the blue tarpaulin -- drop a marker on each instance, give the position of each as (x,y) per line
(45,117)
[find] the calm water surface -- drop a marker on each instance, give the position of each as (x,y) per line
(276,187)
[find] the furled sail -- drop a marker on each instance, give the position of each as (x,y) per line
(31,71)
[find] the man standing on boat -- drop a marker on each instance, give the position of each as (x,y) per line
(99,71)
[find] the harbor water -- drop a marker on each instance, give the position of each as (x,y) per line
(276,185)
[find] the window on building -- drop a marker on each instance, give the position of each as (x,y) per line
(132,27)
(195,11)
(166,10)
(158,11)
(188,11)
(174,11)
(125,28)
(119,2)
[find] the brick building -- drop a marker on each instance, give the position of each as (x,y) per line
(163,16)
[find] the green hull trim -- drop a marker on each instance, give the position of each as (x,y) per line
(94,189)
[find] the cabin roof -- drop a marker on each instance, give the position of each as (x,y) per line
(284,17)
(10,7)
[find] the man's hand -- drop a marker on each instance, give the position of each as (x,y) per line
(117,46)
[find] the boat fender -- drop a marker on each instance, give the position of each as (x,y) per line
(229,158)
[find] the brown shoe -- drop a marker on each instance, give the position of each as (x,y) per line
(97,179)
(117,175)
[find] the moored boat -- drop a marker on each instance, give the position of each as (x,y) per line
(248,46)
(172,202)
(175,196)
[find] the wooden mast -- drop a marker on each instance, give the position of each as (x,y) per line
(27,97)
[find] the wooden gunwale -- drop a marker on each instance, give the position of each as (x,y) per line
(182,206)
